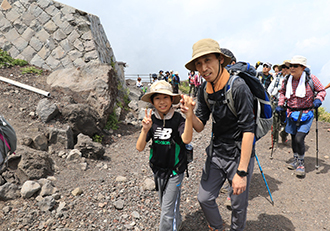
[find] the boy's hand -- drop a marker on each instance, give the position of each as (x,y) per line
(187,104)
(147,122)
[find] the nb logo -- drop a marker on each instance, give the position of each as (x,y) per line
(163,134)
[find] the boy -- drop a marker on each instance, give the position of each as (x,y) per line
(169,132)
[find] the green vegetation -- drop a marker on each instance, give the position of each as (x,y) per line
(112,122)
(184,87)
(7,61)
(97,138)
(28,70)
(323,115)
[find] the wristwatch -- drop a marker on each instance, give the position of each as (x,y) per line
(242,173)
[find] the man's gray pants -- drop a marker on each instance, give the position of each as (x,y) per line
(220,170)
(170,217)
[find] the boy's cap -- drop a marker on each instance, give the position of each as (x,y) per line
(161,87)
(204,47)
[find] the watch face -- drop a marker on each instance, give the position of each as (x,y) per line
(242,173)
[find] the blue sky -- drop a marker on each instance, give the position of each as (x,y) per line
(151,35)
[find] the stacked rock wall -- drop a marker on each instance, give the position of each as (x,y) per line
(52,35)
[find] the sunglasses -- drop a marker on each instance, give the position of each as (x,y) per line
(285,67)
(265,66)
(294,65)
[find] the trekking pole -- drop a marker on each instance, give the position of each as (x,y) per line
(263,176)
(317,139)
(272,137)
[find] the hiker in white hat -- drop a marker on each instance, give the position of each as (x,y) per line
(230,151)
(169,132)
(301,92)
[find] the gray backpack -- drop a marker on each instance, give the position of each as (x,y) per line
(8,140)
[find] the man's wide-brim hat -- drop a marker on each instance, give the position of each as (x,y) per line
(204,47)
(161,87)
(298,59)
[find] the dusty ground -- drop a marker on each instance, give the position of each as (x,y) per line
(299,204)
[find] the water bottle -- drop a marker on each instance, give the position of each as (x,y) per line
(189,152)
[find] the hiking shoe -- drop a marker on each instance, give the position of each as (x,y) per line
(293,165)
(228,203)
(300,171)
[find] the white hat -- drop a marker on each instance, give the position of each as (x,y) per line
(177,73)
(298,59)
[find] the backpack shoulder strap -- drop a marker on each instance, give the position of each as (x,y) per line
(206,97)
(229,94)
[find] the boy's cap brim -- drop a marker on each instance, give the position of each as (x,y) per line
(204,47)
(161,87)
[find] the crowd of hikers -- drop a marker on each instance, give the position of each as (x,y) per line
(229,96)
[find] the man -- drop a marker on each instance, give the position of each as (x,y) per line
(298,95)
(176,82)
(167,75)
(160,75)
(274,92)
(264,76)
(229,154)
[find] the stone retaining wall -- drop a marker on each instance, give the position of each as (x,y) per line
(52,35)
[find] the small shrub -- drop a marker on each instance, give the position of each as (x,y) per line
(97,138)
(29,70)
(20,62)
(112,122)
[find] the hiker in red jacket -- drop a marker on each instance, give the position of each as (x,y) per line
(298,94)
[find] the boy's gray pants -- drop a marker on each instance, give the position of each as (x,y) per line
(220,170)
(170,218)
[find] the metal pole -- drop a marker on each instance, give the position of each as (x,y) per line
(263,176)
(317,139)
(27,87)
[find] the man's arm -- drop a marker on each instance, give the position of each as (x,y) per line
(326,87)
(239,183)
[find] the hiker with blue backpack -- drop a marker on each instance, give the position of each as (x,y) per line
(301,93)
(169,132)
(230,153)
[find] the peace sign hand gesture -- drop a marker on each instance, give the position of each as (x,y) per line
(147,122)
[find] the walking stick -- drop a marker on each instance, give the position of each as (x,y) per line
(317,139)
(263,176)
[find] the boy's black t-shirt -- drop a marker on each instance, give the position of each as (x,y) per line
(164,153)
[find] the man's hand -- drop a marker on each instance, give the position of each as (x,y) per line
(187,104)
(239,184)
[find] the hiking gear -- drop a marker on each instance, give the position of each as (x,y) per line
(317,103)
(293,165)
(8,143)
(228,53)
(279,109)
(161,87)
(298,59)
(263,176)
(300,170)
(317,139)
(275,130)
(204,47)
(258,64)
(189,153)
(262,105)
(241,173)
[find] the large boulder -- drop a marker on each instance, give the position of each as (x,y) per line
(91,84)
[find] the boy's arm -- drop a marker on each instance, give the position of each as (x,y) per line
(141,142)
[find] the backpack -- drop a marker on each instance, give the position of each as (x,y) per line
(261,107)
(8,139)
